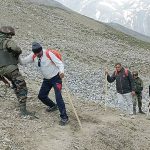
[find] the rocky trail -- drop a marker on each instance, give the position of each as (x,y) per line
(100,129)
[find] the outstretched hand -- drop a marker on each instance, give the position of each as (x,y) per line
(106,71)
(133,93)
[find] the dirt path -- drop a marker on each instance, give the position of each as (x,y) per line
(101,130)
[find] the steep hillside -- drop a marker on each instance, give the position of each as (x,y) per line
(130,32)
(52,3)
(87,46)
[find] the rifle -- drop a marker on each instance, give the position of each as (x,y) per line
(5,81)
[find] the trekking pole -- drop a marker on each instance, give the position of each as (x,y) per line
(148,109)
(106,90)
(74,110)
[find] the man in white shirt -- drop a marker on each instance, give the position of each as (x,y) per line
(52,69)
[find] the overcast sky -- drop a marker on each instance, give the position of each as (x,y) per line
(76,3)
(119,2)
(134,14)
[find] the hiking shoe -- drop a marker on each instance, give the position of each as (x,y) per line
(28,115)
(122,115)
(63,122)
(51,109)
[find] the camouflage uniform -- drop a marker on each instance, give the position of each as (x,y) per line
(138,90)
(10,70)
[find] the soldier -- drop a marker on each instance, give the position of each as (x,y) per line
(138,90)
(9,53)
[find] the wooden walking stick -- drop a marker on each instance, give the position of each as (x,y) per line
(148,109)
(106,90)
(70,100)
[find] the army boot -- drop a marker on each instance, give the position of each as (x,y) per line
(24,112)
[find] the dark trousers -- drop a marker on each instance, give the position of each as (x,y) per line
(47,85)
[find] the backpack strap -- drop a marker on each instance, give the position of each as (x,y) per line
(55,52)
(47,53)
(33,56)
(126,72)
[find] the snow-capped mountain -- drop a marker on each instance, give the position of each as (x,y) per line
(133,14)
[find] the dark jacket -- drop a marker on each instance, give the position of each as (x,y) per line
(124,82)
(138,85)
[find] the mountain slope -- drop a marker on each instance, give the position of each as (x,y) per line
(130,32)
(52,3)
(86,46)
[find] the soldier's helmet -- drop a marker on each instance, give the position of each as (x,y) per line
(7,30)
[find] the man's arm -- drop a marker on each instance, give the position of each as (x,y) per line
(26,60)
(111,78)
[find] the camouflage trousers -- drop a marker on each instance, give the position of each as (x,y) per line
(19,85)
(138,96)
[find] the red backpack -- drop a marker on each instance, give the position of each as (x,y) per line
(55,52)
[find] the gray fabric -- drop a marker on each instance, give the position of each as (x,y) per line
(8,60)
